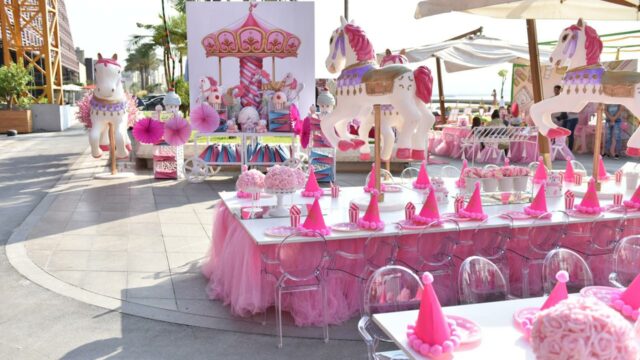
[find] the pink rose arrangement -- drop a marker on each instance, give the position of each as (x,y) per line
(250,181)
(513,171)
(284,178)
(583,328)
(492,173)
(470,172)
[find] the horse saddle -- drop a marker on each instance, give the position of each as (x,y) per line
(380,81)
(620,83)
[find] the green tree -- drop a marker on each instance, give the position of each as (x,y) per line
(503,76)
(182,89)
(13,83)
(142,59)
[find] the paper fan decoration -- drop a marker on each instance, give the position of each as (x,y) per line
(177,131)
(205,118)
(305,132)
(294,117)
(148,130)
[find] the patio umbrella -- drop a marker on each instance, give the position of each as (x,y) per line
(538,9)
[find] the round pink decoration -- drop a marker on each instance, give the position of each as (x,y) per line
(602,293)
(279,231)
(410,225)
(522,315)
(578,214)
(346,227)
(470,332)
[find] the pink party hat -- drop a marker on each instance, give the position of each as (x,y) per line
(312,189)
(628,302)
(371,218)
(590,203)
(432,334)
(569,174)
(429,212)
(371,184)
(538,206)
(314,221)
(602,171)
(634,202)
(559,291)
(474,210)
(541,172)
(460,181)
(422,182)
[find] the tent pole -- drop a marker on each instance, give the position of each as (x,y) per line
(534,60)
(597,144)
(220,71)
(443,114)
(376,147)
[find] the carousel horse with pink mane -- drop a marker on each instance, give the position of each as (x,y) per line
(109,106)
(585,81)
(210,92)
(389,117)
(362,84)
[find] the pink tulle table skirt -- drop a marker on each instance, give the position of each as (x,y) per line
(449,143)
(234,268)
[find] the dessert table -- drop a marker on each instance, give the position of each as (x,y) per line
(234,263)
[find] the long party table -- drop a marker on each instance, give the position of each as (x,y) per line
(234,266)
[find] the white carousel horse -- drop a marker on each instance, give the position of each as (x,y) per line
(108,106)
(585,81)
(362,84)
(389,118)
(210,92)
(291,87)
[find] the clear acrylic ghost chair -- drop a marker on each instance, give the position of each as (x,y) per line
(491,166)
(302,268)
(480,280)
(532,245)
(626,261)
(408,175)
(385,176)
(491,243)
(534,166)
(389,289)
(577,166)
(564,259)
(376,253)
(450,172)
(435,254)
(579,236)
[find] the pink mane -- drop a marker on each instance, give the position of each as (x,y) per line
(359,43)
(593,44)
(394,59)
(107,61)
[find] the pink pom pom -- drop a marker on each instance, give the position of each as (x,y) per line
(436,350)
(375,192)
(447,346)
(562,276)
(427,278)
(424,349)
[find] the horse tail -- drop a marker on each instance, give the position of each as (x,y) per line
(424,83)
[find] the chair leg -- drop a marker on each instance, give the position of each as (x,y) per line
(279,316)
(324,312)
(525,280)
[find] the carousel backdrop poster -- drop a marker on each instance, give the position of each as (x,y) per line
(282,21)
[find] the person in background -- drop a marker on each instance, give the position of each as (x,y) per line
(476,122)
(566,120)
(613,121)
(495,119)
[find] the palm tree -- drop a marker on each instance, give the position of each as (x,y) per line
(503,76)
(142,59)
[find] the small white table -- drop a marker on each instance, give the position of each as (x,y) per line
(500,339)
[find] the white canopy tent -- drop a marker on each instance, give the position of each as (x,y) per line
(468,53)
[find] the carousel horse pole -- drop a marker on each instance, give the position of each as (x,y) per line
(112,149)
(376,151)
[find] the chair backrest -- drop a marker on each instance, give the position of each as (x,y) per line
(392,288)
(491,166)
(534,166)
(547,233)
(436,248)
(450,171)
(480,280)
(491,242)
(408,175)
(577,165)
(626,261)
(379,251)
(564,259)
(302,260)
(385,176)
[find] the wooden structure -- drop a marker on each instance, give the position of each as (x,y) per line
(30,31)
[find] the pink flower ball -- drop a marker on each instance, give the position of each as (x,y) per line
(583,328)
(250,180)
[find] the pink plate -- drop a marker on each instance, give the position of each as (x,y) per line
(602,293)
(515,215)
(346,227)
(392,189)
(618,209)
(410,225)
(456,217)
(470,332)
(523,314)
(578,214)
(279,231)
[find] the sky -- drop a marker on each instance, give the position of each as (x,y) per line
(388,24)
